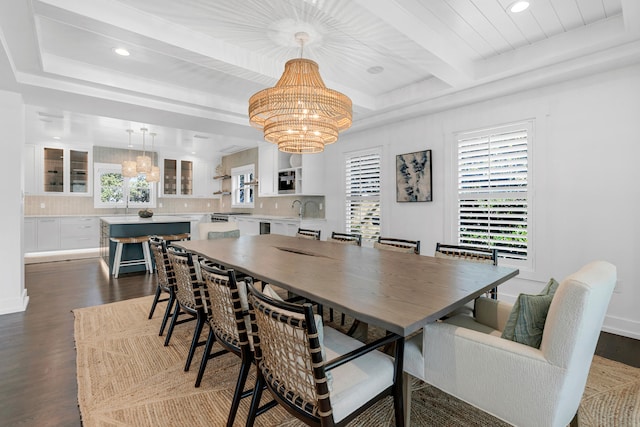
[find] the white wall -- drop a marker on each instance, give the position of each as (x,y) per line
(13,295)
(586,151)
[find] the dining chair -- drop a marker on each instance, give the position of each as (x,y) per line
(397,245)
(318,374)
(346,238)
(189,295)
(305,233)
(229,325)
(519,379)
(469,253)
(166,281)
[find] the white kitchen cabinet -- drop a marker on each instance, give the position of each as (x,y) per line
(58,170)
(267,170)
(30,243)
(79,232)
(203,185)
(48,234)
(312,179)
(185,177)
(285,228)
(308,170)
(44,234)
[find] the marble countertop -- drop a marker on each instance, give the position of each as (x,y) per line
(156,219)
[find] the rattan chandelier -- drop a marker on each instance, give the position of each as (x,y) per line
(299,113)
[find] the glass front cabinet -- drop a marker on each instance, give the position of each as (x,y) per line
(64,171)
(177,177)
(186,177)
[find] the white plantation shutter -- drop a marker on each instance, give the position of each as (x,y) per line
(362,202)
(493,190)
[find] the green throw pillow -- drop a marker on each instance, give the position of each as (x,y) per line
(223,234)
(526,321)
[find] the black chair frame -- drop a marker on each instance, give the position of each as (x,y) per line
(197,311)
(347,237)
(308,232)
(471,253)
(402,243)
(323,416)
(165,278)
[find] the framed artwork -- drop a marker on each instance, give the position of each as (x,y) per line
(413,177)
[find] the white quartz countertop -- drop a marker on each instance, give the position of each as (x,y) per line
(273,218)
(135,219)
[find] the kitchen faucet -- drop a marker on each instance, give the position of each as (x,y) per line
(293,204)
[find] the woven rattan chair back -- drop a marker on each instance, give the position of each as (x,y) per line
(347,239)
(468,253)
(289,356)
(166,281)
(398,245)
(188,285)
(226,314)
(164,269)
(304,233)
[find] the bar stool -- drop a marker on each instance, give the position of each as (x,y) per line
(117,259)
(175,237)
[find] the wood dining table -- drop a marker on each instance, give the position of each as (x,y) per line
(398,292)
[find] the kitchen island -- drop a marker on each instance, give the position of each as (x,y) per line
(132,226)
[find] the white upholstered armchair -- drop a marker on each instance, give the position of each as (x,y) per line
(525,386)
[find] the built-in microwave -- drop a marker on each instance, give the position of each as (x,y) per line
(287,182)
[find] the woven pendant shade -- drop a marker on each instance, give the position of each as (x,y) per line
(143,164)
(129,169)
(299,113)
(129,166)
(154,175)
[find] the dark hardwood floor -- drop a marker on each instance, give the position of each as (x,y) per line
(37,355)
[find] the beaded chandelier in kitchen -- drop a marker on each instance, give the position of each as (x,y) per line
(300,113)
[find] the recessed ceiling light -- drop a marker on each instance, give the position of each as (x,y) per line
(193,152)
(56,137)
(519,6)
(121,51)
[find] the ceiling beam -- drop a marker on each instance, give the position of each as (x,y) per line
(631,14)
(420,25)
(119,15)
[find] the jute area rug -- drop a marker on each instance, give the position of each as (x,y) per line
(126,377)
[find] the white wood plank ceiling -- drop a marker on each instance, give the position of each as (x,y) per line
(195,63)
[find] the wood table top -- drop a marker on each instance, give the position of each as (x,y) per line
(396,291)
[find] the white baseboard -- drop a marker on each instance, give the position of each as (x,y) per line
(52,256)
(14,305)
(624,327)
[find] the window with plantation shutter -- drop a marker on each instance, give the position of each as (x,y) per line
(493,190)
(362,203)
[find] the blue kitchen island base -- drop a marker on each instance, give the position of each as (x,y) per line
(129,226)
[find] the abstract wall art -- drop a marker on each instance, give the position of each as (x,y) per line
(413,177)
